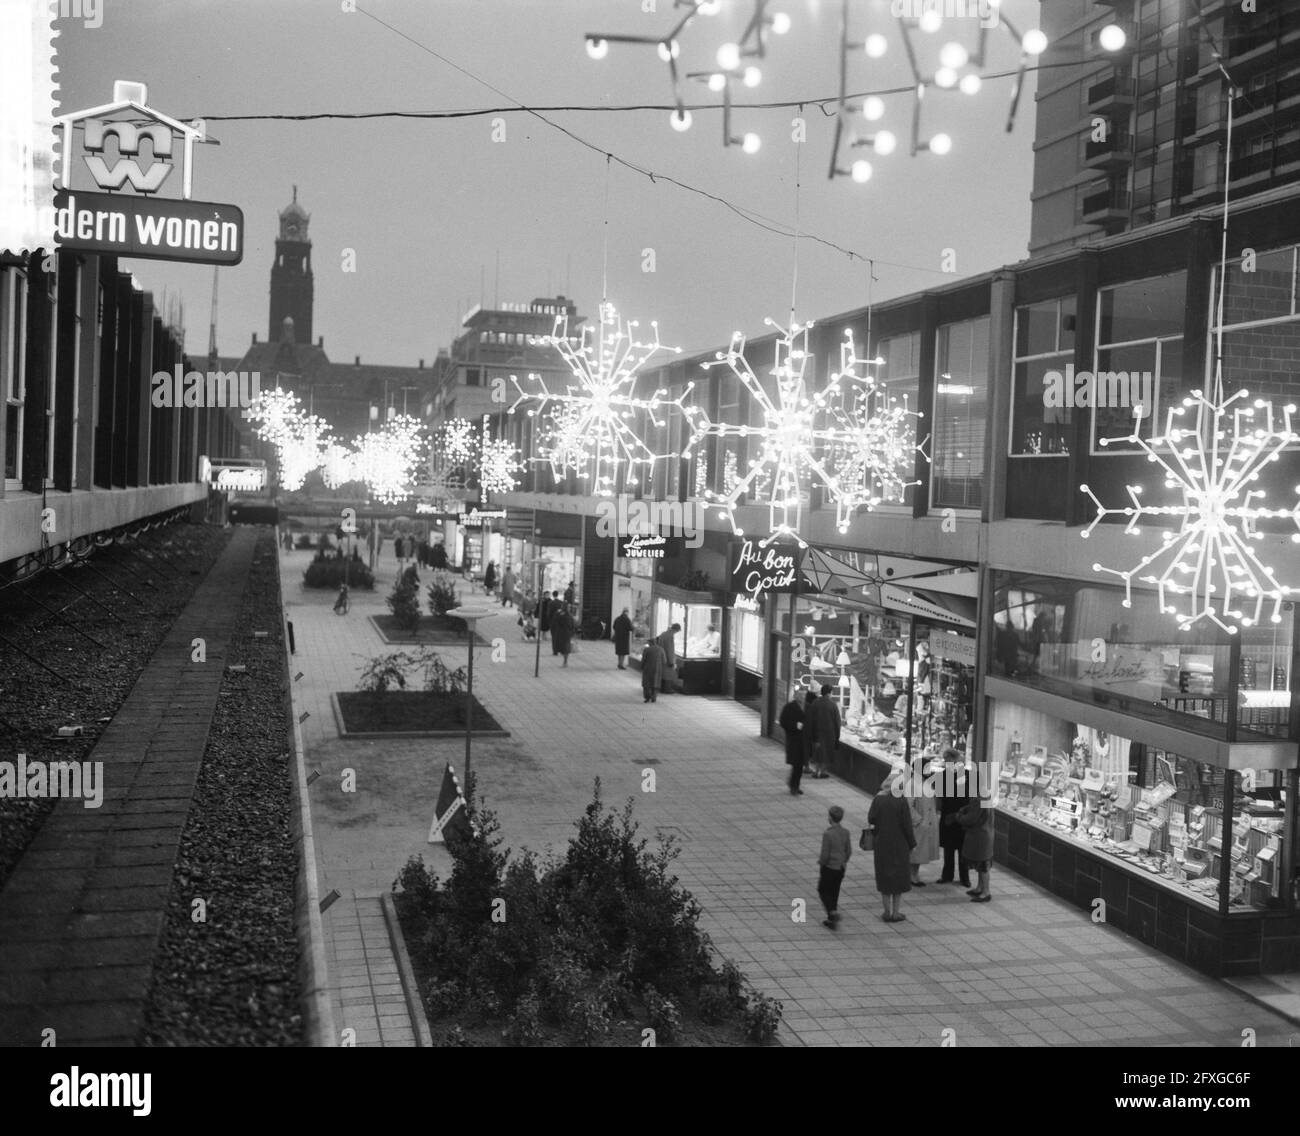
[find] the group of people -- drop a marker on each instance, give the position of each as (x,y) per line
(905,832)
(658,659)
(812,735)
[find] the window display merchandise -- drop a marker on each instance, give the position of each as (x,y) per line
(863,655)
(701,623)
(1157,812)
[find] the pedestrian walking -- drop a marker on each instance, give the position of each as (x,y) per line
(544,614)
(890,820)
(528,617)
(563,625)
(977,847)
(399,549)
(652,670)
(792,722)
(571,595)
(809,738)
(490,577)
(508,581)
(622,639)
(826,732)
(925,827)
(834,859)
(951,833)
(341,603)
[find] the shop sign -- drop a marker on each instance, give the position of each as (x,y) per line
(759,571)
(138,223)
(1138,673)
(475,517)
(955,648)
(649,547)
(744,603)
(232,478)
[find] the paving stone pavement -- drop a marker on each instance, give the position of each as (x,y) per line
(81,914)
(1026,969)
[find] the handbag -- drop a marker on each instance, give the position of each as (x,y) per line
(867,841)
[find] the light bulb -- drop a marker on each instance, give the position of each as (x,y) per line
(669,51)
(931,21)
(861,171)
(681,120)
(873,107)
(751,143)
(970,84)
(945,77)
(717,82)
(729,56)
(940,144)
(876,45)
(709,7)
(885,142)
(780,23)
(753,76)
(953,55)
(1112,37)
(1034,43)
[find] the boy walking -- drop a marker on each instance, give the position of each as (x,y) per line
(836,850)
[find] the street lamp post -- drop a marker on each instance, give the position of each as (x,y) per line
(539,576)
(471,615)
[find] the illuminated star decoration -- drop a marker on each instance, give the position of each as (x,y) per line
(875,451)
(386,459)
(1209,559)
(498,464)
(797,450)
(590,426)
(300,440)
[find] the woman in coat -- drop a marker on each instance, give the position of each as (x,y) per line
(977,847)
(622,639)
(652,670)
(890,818)
(562,629)
(508,587)
(925,827)
(490,577)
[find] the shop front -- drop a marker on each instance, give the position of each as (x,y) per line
(746,642)
(891,641)
(1149,776)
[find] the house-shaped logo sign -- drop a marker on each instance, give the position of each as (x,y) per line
(121,214)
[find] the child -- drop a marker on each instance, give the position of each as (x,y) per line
(341,604)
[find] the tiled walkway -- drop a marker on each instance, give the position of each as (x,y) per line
(81,915)
(1026,969)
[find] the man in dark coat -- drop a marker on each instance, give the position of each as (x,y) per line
(563,625)
(652,670)
(668,641)
(951,834)
(824,721)
(622,639)
(544,614)
(791,721)
(890,819)
(809,738)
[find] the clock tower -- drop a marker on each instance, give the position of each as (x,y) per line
(291,279)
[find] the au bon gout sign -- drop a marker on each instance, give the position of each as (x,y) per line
(139,224)
(758,572)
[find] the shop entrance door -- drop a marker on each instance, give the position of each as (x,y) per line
(777,680)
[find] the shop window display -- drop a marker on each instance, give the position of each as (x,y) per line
(1079,640)
(1157,812)
(863,656)
(701,623)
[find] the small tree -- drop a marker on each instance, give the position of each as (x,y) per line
(404,602)
(438,556)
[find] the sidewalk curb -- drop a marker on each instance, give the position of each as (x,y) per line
(313,967)
(410,989)
(1248,988)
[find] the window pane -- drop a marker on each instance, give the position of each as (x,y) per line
(1036,329)
(1036,427)
(900,381)
(1266,293)
(1144,309)
(1261,360)
(960,412)
(1122,373)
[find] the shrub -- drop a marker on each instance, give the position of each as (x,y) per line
(589,1018)
(442,598)
(524,1026)
(328,572)
(714,1004)
(444,998)
(761,1017)
(662,1014)
(455,1037)
(404,602)
(382,673)
(440,678)
(733,984)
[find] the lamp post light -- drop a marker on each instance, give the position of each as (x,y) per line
(471,615)
(540,563)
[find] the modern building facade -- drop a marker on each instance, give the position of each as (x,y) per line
(84,450)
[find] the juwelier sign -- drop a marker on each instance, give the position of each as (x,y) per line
(757,572)
(108,220)
(649,547)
